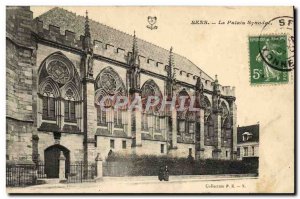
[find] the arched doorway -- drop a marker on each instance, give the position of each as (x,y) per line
(52,154)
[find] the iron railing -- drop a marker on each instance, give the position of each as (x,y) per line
(80,172)
(21,175)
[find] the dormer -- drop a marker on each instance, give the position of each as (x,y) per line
(247,136)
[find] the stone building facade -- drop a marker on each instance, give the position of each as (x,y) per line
(60,65)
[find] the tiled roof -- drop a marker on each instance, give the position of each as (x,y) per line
(70,21)
(253,129)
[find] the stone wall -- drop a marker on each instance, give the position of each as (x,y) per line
(103,146)
(18,139)
(20,56)
(183,150)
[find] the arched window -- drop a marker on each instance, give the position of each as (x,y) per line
(144,121)
(101,112)
(150,118)
(118,118)
(109,83)
(209,135)
(226,127)
(48,104)
(190,122)
(156,122)
(182,123)
(208,124)
(70,109)
(59,89)
(101,116)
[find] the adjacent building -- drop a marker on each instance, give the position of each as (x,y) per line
(248,141)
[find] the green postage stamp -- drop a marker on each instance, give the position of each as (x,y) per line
(268,59)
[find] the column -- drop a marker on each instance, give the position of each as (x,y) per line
(59,112)
(128,119)
(91,120)
(62,112)
(201,122)
(39,109)
(217,131)
(234,132)
(62,167)
(137,116)
(150,119)
(99,166)
(110,120)
(138,127)
(163,126)
(78,115)
(174,129)
(35,148)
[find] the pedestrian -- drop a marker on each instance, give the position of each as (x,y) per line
(166,173)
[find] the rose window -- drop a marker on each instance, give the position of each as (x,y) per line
(58,71)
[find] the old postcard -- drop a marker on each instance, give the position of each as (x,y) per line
(150,100)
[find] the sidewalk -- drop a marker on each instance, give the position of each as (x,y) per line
(135,184)
(179,178)
(150,180)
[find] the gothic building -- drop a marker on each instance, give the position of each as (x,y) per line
(60,65)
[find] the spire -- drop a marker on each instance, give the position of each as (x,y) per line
(87,26)
(171,75)
(134,49)
(134,46)
(171,58)
(171,64)
(87,44)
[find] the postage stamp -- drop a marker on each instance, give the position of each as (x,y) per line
(268,59)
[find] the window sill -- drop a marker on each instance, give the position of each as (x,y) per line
(101,124)
(71,121)
(49,118)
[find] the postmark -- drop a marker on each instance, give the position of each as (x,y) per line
(283,25)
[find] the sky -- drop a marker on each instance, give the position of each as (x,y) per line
(216,49)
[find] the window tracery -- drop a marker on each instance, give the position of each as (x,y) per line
(109,83)
(58,90)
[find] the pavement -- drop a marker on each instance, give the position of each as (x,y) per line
(149,184)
